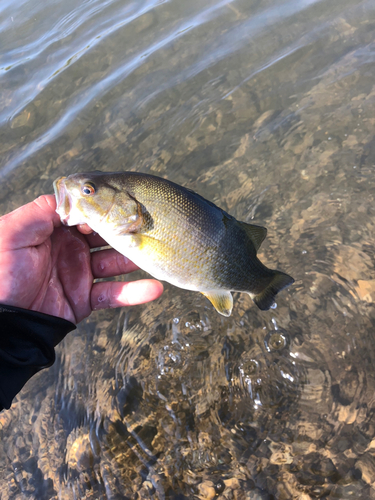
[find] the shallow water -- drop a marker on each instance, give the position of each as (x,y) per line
(267,109)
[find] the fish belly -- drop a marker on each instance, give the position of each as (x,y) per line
(153,262)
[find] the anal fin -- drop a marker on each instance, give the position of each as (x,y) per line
(222,301)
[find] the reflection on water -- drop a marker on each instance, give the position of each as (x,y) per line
(267,109)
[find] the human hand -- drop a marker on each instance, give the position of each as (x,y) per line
(48,267)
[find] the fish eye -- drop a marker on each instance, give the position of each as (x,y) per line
(88,189)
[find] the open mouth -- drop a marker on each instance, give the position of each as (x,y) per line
(62,199)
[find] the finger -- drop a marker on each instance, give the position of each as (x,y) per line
(29,225)
(110,294)
(95,241)
(84,229)
(107,263)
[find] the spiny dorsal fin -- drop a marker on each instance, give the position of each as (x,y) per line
(265,299)
(255,233)
(222,301)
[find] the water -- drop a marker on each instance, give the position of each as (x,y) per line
(267,109)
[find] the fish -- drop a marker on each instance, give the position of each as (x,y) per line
(172,233)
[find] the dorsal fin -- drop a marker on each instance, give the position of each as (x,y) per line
(255,233)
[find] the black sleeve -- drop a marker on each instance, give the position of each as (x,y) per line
(27,341)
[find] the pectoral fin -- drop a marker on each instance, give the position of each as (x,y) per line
(222,301)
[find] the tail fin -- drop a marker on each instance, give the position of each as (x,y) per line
(265,299)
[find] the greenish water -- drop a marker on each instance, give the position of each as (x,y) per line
(268,109)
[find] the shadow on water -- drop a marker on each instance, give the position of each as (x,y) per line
(267,109)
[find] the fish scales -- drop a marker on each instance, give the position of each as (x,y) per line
(173,233)
(181,256)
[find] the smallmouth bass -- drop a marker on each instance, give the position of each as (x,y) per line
(172,233)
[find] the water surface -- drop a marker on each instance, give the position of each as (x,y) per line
(267,109)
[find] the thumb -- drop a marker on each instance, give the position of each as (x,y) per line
(29,225)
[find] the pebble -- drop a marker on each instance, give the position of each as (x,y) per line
(207,490)
(232,483)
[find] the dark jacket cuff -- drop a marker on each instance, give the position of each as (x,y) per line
(27,341)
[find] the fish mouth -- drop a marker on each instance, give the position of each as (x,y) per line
(63,206)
